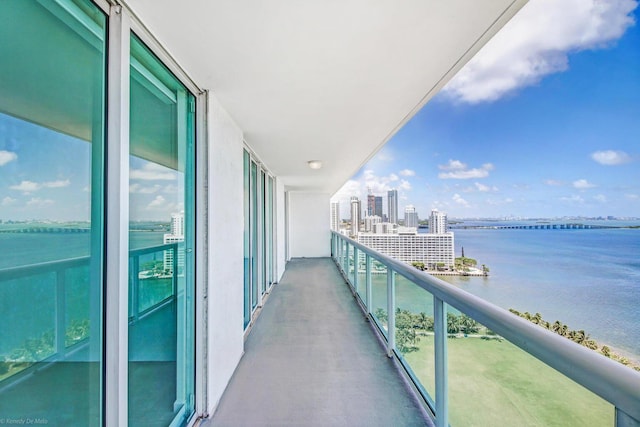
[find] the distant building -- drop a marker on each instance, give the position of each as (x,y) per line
(431,249)
(370,222)
(176,236)
(410,216)
(385,228)
(371,204)
(355,216)
(335,216)
(392,205)
(438,222)
(377,211)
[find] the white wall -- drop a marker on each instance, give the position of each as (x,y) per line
(309,223)
(225,275)
(280,229)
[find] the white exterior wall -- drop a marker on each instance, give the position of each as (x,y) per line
(309,228)
(280,229)
(225,274)
(428,248)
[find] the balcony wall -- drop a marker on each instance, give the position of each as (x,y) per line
(225,272)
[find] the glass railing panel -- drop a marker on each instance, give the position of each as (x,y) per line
(493,382)
(378,307)
(29,317)
(155,278)
(352,266)
(77,305)
(414,334)
(361,289)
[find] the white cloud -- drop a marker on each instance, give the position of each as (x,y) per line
(26,186)
(459,200)
(553,182)
(7,156)
(56,184)
(393,177)
(485,188)
(404,185)
(600,198)
(453,165)
(153,171)
(37,202)
(582,184)
(8,201)
(141,189)
(407,172)
(632,196)
(537,42)
(158,202)
(611,157)
(458,170)
(30,186)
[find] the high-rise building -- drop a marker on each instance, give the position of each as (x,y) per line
(377,210)
(437,222)
(176,236)
(371,204)
(392,205)
(370,222)
(335,216)
(410,216)
(355,215)
(433,250)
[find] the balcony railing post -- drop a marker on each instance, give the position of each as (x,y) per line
(368,282)
(440,349)
(135,287)
(60,327)
(624,420)
(355,269)
(391,312)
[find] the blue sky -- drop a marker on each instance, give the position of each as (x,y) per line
(543,122)
(45,175)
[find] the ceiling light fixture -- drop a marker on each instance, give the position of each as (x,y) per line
(315,164)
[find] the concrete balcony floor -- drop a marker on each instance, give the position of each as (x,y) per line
(312,359)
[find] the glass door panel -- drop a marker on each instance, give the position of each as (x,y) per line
(161,230)
(247,242)
(254,235)
(52,103)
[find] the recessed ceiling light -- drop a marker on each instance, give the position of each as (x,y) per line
(315,164)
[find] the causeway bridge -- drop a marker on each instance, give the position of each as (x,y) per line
(567,226)
(32,230)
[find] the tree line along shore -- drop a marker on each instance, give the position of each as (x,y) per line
(411,326)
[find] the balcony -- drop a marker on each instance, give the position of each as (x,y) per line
(312,360)
(52,342)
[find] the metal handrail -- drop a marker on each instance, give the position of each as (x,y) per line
(612,381)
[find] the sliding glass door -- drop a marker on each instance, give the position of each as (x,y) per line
(258,235)
(161,242)
(52,127)
(60,234)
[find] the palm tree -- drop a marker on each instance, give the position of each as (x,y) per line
(453,323)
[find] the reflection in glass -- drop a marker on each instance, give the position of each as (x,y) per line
(51,165)
(161,267)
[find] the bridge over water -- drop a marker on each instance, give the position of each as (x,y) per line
(47,230)
(569,226)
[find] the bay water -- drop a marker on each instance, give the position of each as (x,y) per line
(587,278)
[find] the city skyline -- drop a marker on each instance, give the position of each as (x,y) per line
(541,123)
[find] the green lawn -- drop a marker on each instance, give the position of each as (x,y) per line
(494,383)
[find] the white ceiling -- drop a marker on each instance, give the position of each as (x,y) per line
(328,80)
